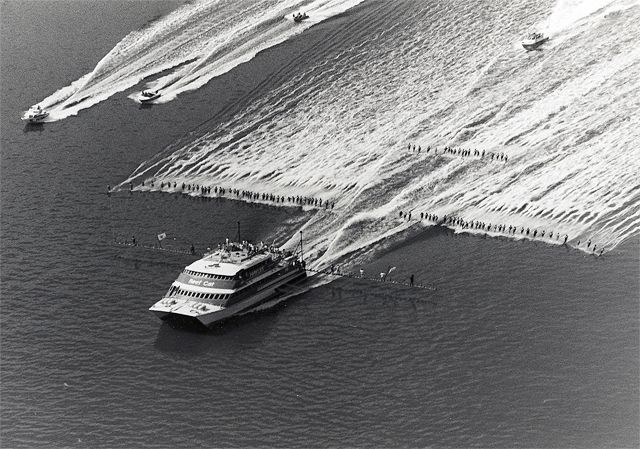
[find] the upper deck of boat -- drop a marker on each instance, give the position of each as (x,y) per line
(230,259)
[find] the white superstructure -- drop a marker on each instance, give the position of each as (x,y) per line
(229,281)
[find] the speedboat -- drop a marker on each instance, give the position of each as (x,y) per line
(534,40)
(148,95)
(299,17)
(229,281)
(35,114)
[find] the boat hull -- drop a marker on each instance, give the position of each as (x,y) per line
(533,45)
(36,118)
(144,99)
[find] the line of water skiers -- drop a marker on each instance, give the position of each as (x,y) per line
(512,230)
(464,152)
(319,202)
(244,194)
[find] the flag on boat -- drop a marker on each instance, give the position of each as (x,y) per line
(383,276)
(162,236)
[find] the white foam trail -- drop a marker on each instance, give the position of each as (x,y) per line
(567,13)
(212,64)
(566,118)
(199,41)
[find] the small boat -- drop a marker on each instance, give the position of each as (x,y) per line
(230,281)
(35,114)
(299,17)
(148,95)
(534,40)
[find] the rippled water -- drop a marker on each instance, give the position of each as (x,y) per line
(522,344)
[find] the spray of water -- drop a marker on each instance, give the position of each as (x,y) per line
(339,129)
(195,43)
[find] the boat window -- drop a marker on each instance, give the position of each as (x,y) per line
(208,275)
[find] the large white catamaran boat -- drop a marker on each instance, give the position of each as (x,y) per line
(231,280)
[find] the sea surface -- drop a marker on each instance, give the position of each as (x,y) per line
(507,340)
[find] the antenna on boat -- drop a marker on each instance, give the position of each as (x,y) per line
(301,253)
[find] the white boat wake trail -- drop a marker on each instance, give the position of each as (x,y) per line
(566,117)
(199,41)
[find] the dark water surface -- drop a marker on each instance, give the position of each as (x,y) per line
(521,345)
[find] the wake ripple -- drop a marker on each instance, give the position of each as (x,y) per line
(566,118)
(195,43)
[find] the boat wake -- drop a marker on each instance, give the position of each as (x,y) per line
(194,44)
(345,126)
(566,14)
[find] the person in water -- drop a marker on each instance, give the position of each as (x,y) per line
(411,280)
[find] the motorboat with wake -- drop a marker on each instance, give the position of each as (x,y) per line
(229,281)
(534,40)
(299,17)
(148,95)
(35,114)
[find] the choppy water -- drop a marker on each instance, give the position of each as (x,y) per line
(523,344)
